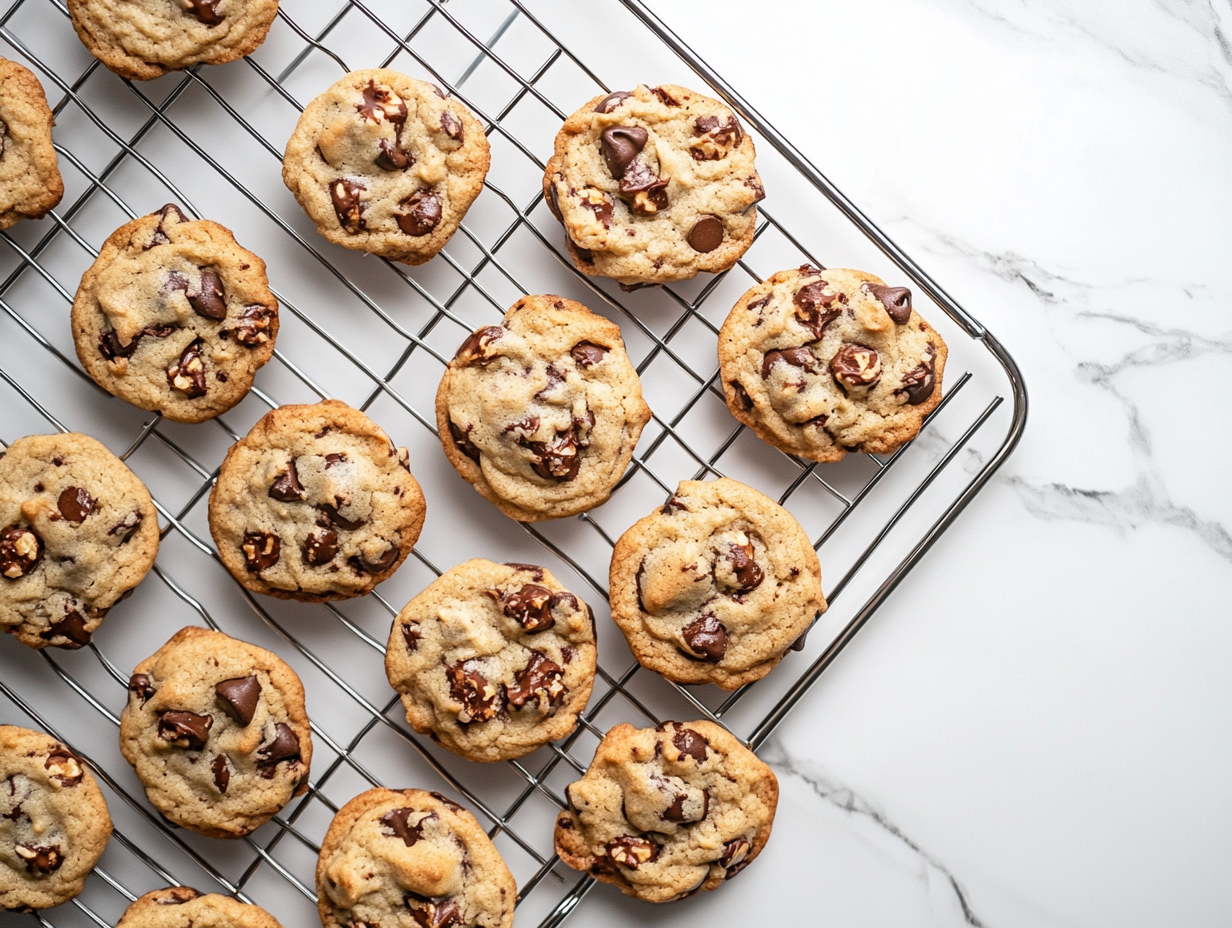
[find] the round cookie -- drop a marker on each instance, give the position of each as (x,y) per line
(665,812)
(388,852)
(78,531)
(654,185)
(53,821)
(30,182)
(716,585)
(822,362)
(174,316)
(217,732)
(184,907)
(145,39)
(493,660)
(386,164)
(542,413)
(315,503)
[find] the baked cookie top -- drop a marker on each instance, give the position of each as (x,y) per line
(389,854)
(53,821)
(822,362)
(315,503)
(542,412)
(493,660)
(665,812)
(184,907)
(216,730)
(387,164)
(174,316)
(144,39)
(716,585)
(30,182)
(654,185)
(78,531)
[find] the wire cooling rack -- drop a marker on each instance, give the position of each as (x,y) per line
(378,335)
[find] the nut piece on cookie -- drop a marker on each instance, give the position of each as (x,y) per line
(78,531)
(145,39)
(184,907)
(542,412)
(822,362)
(716,585)
(53,821)
(390,851)
(217,733)
(666,812)
(386,164)
(30,182)
(493,660)
(315,503)
(654,185)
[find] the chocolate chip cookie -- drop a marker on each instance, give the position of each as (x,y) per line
(390,853)
(144,39)
(654,185)
(315,503)
(822,362)
(386,164)
(184,907)
(541,413)
(493,660)
(665,812)
(217,732)
(30,182)
(78,531)
(175,317)
(716,585)
(53,821)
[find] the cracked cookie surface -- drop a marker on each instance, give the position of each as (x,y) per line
(716,585)
(174,316)
(30,182)
(78,531)
(665,812)
(53,821)
(493,660)
(409,859)
(217,733)
(654,185)
(315,503)
(541,413)
(184,907)
(386,164)
(820,363)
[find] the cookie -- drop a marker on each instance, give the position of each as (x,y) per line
(53,821)
(542,412)
(78,531)
(716,585)
(30,182)
(315,503)
(184,907)
(654,185)
(389,853)
(145,39)
(665,812)
(174,316)
(386,164)
(493,660)
(217,732)
(823,362)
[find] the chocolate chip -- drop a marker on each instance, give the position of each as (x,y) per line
(261,550)
(75,504)
(449,803)
(531,606)
(211,302)
(644,189)
(127,526)
(20,551)
(381,103)
(188,373)
(320,546)
(374,565)
(398,823)
(253,326)
(205,10)
(222,772)
(855,366)
(707,234)
(286,486)
(160,237)
(620,145)
(477,349)
(185,729)
(717,140)
(611,101)
(676,811)
(177,895)
(421,212)
(64,768)
(393,157)
(529,568)
(553,199)
(463,442)
(748,574)
(285,746)
(432,913)
(451,125)
(109,343)
(587,354)
(690,743)
(599,203)
(140,685)
(557,459)
(480,699)
(555,379)
(896,300)
(540,683)
(40,859)
(797,357)
(754,184)
(743,400)
(348,204)
(239,697)
(631,852)
(920,382)
(333,518)
(72,628)
(815,308)
(411,635)
(706,639)
(664,97)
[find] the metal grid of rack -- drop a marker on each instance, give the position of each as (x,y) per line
(378,335)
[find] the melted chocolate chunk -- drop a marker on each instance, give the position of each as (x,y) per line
(557,459)
(127,526)
(205,10)
(539,683)
(645,190)
(434,913)
(64,768)
(140,685)
(75,504)
(664,97)
(421,213)
(815,308)
(477,349)
(381,103)
(177,895)
(611,101)
(20,551)
(239,697)
(411,635)
(920,382)
(451,125)
(398,824)
(480,699)
(735,856)
(706,639)
(261,550)
(620,145)
(449,803)
(286,486)
(463,442)
(706,235)
(252,328)
(798,644)
(375,565)
(321,546)
(748,574)
(211,302)
(393,157)
(717,139)
(222,772)
(631,852)
(743,400)
(160,236)
(40,859)
(598,203)
(285,746)
(587,354)
(855,366)
(72,628)
(188,373)
(896,300)
(348,205)
(530,606)
(797,357)
(555,379)
(109,343)
(691,743)
(185,729)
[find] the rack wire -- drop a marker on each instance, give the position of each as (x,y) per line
(378,335)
